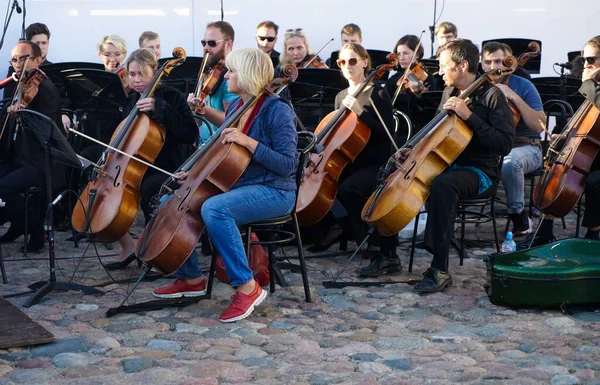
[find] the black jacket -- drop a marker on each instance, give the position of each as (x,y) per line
(492,126)
(591,90)
(173,113)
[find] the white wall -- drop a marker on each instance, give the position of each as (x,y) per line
(76,26)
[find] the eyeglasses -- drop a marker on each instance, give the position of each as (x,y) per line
(270,39)
(20,59)
(110,55)
(211,43)
(591,59)
(351,62)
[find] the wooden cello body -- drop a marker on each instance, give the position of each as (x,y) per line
(173,231)
(568,164)
(394,204)
(341,136)
(110,202)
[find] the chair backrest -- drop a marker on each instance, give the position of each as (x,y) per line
(306,142)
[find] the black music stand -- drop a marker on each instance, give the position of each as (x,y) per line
(378,58)
(313,93)
(572,55)
(559,87)
(519,46)
(55,147)
(185,76)
(92,87)
(53,71)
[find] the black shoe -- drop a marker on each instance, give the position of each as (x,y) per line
(539,240)
(380,264)
(123,264)
(592,234)
(11,234)
(433,281)
(334,234)
(35,243)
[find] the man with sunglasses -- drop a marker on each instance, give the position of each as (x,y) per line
(590,89)
(217,43)
(266,37)
(23,162)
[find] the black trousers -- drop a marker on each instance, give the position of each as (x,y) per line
(446,190)
(591,217)
(355,188)
(14,179)
(149,187)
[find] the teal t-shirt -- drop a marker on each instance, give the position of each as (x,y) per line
(216,101)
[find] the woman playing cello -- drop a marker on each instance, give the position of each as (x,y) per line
(168,107)
(266,189)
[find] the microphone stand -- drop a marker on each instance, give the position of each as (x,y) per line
(24,14)
(432,26)
(14,6)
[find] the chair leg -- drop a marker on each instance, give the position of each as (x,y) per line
(2,270)
(272,268)
(211,272)
(301,259)
(492,204)
(26,231)
(507,224)
(578,225)
(412,246)
(461,252)
(531,187)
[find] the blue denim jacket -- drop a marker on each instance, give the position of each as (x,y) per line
(275,160)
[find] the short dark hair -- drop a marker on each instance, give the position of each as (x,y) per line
(493,46)
(462,49)
(447,27)
(36,29)
(147,35)
(411,41)
(268,24)
(225,28)
(35,49)
(351,29)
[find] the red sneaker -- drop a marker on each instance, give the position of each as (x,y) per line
(242,305)
(180,288)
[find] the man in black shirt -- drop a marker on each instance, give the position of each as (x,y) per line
(39,34)
(475,173)
(266,37)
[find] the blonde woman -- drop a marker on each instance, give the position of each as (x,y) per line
(112,50)
(296,51)
(267,188)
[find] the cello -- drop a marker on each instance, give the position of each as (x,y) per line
(568,162)
(173,231)
(109,203)
(397,201)
(342,137)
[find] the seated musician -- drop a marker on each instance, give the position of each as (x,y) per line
(23,161)
(359,178)
(217,43)
(266,189)
(590,89)
(39,34)
(526,155)
(444,32)
(475,172)
(296,51)
(409,101)
(112,51)
(266,37)
(168,108)
(150,40)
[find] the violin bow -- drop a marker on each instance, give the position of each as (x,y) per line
(317,54)
(201,75)
(14,98)
(387,130)
(412,60)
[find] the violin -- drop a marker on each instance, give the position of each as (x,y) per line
(207,85)
(342,136)
(110,202)
(312,61)
(415,73)
(171,235)
(122,73)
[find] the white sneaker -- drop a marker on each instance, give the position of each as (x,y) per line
(529,229)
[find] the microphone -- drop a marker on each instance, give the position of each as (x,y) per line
(567,66)
(16,5)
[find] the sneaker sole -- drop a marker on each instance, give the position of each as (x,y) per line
(182,294)
(257,302)
(442,287)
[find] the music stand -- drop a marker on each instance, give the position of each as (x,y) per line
(519,46)
(53,71)
(314,91)
(87,86)
(559,87)
(185,76)
(572,55)
(378,58)
(55,147)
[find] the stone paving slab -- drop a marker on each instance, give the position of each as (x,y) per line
(352,335)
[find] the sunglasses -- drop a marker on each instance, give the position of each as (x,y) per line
(351,62)
(270,39)
(293,30)
(211,43)
(591,59)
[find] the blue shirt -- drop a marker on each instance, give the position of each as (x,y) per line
(530,95)
(216,101)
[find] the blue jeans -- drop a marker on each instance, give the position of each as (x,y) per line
(520,161)
(223,213)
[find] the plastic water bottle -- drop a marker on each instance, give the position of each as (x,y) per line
(509,245)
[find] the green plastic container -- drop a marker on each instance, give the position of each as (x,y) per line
(563,273)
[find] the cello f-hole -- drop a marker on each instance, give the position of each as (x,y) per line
(316,168)
(116,182)
(181,206)
(412,166)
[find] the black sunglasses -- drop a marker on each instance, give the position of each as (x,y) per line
(591,59)
(342,62)
(270,39)
(211,43)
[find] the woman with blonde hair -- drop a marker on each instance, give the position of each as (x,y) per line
(267,188)
(112,50)
(296,51)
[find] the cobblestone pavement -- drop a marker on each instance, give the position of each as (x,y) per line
(353,335)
